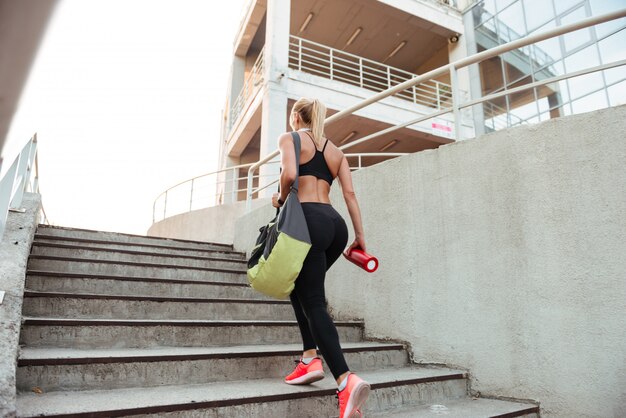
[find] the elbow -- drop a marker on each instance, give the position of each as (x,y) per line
(287,176)
(349,196)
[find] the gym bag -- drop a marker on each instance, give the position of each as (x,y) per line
(282,245)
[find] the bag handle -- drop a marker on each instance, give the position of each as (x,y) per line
(297,146)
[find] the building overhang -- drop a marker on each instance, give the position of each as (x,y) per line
(249,26)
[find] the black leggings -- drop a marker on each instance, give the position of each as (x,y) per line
(329,236)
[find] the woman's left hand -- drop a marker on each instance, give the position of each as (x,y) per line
(275,200)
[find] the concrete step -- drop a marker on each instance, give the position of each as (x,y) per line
(44,281)
(134,269)
(72,369)
(250,398)
(464,408)
(75,305)
(117,333)
(49,240)
(74,252)
(86,234)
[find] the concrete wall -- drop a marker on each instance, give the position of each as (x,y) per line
(14,252)
(215,224)
(503,255)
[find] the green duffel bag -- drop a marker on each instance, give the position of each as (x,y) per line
(282,245)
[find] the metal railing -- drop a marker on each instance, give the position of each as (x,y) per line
(225,186)
(457,105)
(334,64)
(18,180)
(251,85)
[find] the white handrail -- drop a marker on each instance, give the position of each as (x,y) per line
(452,69)
(17,181)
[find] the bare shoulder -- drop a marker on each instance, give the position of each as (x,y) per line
(285,138)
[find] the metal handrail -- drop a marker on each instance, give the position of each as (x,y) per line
(17,181)
(235,179)
(452,68)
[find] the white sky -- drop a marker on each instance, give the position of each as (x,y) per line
(126,97)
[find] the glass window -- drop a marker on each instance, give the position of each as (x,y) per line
(511,22)
(617,94)
(565,5)
(581,85)
(548,50)
(537,13)
(501,4)
(615,75)
(600,7)
(579,37)
(491,75)
(585,58)
(613,48)
(484,11)
(594,101)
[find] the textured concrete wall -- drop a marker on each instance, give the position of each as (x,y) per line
(504,255)
(215,224)
(14,251)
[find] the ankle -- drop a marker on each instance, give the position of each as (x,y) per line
(309,354)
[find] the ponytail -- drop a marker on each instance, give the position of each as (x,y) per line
(318,116)
(313,113)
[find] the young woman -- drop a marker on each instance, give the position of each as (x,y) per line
(320,163)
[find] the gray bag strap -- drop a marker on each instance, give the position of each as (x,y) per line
(297,146)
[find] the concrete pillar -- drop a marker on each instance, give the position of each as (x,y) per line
(274,108)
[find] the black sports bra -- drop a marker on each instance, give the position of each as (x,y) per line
(317,166)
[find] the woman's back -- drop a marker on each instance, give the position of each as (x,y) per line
(311,188)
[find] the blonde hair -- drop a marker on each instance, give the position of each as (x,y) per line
(313,114)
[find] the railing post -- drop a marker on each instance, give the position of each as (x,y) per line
(437,87)
(388,77)
(235,184)
(454,81)
(165,206)
(361,71)
(331,63)
(414,95)
(360,162)
(299,54)
(191,195)
(249,191)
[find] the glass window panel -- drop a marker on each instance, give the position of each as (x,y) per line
(581,85)
(523,112)
(599,7)
(501,4)
(615,75)
(617,94)
(484,11)
(579,37)
(585,58)
(613,48)
(564,5)
(486,34)
(537,13)
(491,75)
(594,101)
(543,103)
(548,50)
(511,22)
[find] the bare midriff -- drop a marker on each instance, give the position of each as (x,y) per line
(312,189)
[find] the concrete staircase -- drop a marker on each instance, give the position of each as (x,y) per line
(118,325)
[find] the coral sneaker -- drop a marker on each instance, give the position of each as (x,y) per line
(352,397)
(304,374)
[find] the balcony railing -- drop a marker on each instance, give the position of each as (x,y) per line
(251,85)
(321,60)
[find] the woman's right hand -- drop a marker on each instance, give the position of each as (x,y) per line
(359,242)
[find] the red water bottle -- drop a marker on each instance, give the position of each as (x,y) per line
(362,259)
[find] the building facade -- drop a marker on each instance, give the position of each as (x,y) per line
(344,51)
